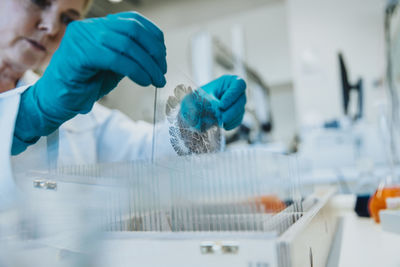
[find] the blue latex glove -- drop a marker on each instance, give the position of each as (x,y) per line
(220,102)
(94,55)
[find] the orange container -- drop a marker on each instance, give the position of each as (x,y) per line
(271,203)
(377,202)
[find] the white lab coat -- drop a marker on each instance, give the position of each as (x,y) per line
(9,103)
(102,135)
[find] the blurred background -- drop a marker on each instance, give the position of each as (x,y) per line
(292,46)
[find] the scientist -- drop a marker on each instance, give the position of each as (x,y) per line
(94,56)
(90,58)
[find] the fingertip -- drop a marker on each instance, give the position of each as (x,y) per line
(229,127)
(161,82)
(241,83)
(162,64)
(237,80)
(161,36)
(143,81)
(244,100)
(229,100)
(165,67)
(234,123)
(232,120)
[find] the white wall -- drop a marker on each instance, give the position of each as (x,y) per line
(318,30)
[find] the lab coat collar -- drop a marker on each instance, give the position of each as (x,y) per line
(16,91)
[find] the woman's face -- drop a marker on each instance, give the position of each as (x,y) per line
(31,30)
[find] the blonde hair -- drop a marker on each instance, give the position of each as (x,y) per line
(86,6)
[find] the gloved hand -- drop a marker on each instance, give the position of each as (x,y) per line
(220,102)
(94,55)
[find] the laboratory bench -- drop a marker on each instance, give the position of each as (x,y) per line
(360,241)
